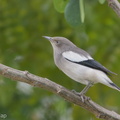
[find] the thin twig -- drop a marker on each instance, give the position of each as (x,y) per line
(26,77)
(115,5)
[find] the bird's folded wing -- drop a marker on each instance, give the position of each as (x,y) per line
(73,56)
(87,61)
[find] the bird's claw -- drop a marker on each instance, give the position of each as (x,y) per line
(82,96)
(75,92)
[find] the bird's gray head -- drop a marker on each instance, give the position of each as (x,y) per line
(60,43)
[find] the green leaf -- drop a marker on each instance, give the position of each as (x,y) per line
(60,5)
(72,13)
(101,1)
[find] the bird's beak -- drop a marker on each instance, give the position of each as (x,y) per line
(49,38)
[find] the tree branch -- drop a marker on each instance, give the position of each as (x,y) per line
(115,5)
(26,77)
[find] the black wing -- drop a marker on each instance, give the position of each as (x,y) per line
(95,65)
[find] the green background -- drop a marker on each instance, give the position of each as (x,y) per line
(22,25)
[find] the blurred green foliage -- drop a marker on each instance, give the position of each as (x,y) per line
(22,25)
(60,5)
(72,13)
(73,10)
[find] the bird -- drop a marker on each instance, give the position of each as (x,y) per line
(79,65)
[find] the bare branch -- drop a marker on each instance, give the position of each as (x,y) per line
(115,5)
(26,77)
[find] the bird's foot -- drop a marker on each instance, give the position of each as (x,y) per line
(82,96)
(75,92)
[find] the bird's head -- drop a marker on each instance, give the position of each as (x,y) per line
(60,43)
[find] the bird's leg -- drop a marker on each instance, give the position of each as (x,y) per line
(82,93)
(90,84)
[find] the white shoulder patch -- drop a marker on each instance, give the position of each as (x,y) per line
(75,57)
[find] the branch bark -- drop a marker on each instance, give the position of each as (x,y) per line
(26,77)
(115,5)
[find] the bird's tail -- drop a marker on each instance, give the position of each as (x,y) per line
(109,83)
(114,86)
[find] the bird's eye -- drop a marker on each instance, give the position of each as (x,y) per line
(57,42)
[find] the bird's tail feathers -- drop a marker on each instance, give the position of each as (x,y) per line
(114,86)
(109,83)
